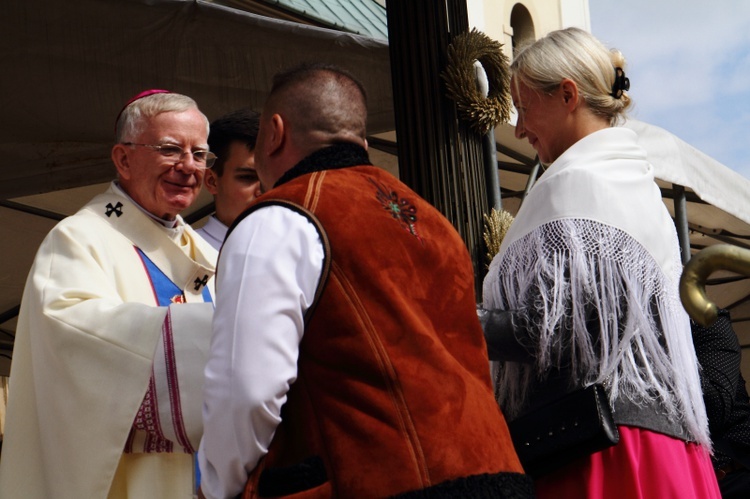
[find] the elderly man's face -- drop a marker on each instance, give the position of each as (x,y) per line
(158,184)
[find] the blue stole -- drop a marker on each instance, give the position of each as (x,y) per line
(168,293)
(165,290)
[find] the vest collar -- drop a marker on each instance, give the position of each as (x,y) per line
(340,155)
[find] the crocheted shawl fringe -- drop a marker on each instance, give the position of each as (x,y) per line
(567,266)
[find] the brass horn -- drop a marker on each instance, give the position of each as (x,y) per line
(699,268)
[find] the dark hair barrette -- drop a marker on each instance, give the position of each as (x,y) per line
(621,83)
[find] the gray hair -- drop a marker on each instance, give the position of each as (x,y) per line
(133,118)
(577,55)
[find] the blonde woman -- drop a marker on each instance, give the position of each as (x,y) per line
(592,263)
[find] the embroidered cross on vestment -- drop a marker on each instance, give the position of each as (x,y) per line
(116,209)
(200,282)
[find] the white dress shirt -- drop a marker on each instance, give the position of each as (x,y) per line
(268,273)
(213,231)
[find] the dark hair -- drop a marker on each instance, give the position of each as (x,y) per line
(307,69)
(237,126)
(326,103)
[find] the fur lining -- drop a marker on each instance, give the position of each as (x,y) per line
(300,477)
(341,155)
(485,486)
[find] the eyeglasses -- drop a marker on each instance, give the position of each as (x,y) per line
(203,158)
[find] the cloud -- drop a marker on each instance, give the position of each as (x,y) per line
(689,65)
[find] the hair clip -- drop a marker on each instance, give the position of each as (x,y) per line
(621,83)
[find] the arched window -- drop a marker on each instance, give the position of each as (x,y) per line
(523,26)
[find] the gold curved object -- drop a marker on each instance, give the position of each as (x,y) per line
(699,268)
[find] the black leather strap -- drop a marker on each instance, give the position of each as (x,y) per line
(501,330)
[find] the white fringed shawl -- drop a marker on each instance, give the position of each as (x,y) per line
(594,232)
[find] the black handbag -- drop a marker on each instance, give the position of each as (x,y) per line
(576,425)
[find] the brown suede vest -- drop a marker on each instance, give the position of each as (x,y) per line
(393,392)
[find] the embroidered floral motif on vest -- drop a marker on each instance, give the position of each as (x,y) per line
(400,209)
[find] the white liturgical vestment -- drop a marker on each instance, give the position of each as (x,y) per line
(107,373)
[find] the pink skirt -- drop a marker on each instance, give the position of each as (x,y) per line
(643,465)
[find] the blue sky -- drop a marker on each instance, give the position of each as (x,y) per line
(689,66)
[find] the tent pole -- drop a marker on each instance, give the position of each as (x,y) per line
(491,171)
(489,150)
(681,221)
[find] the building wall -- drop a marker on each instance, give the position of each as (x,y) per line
(520,21)
(493,17)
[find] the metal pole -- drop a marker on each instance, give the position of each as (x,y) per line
(491,171)
(681,221)
(489,150)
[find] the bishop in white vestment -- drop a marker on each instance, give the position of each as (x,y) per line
(111,294)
